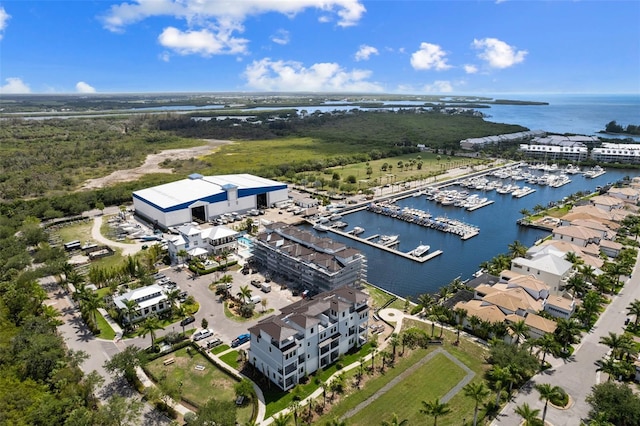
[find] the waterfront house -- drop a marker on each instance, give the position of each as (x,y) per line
(578,235)
(309,335)
(589,254)
(627,194)
(607,203)
(560,306)
(548,267)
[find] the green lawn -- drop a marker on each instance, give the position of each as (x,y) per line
(219,349)
(106,332)
(432,380)
(231,359)
(197,386)
(81,231)
(380,297)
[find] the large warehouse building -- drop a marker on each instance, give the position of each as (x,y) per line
(203,198)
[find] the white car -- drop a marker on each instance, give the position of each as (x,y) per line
(202,334)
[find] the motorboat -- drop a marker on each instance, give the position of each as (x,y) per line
(420,250)
(389,240)
(357,230)
(320,227)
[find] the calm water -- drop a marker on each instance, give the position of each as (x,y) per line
(498,229)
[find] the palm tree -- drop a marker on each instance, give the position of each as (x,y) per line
(621,345)
(520,329)
(610,367)
(433,318)
(527,413)
(573,258)
(478,392)
(525,212)
(576,285)
(426,301)
(547,344)
(172,297)
(634,309)
(182,254)
(517,249)
(264,302)
(567,332)
(130,308)
(245,293)
(548,392)
(395,421)
(587,273)
(435,409)
(500,376)
(149,326)
(282,419)
(182,313)
(293,408)
(394,341)
(90,304)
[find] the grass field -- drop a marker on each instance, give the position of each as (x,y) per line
(198,386)
(81,231)
(430,381)
(433,380)
(106,332)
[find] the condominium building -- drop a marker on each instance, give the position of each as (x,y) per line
(310,262)
(617,153)
(309,335)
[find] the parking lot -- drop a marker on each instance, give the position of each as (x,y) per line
(211,306)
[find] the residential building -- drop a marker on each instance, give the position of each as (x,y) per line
(578,235)
(310,262)
(202,240)
(617,153)
(548,267)
(607,202)
(554,152)
(309,335)
(149,300)
(478,143)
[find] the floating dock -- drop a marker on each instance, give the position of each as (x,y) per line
(422,218)
(370,242)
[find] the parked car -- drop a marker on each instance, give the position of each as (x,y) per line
(187,320)
(182,296)
(243,338)
(255,283)
(212,343)
(202,334)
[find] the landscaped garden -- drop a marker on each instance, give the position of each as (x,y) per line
(198,380)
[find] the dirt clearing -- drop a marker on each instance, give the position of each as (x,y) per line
(152,164)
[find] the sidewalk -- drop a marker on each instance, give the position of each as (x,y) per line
(112,323)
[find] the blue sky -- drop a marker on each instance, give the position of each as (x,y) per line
(412,47)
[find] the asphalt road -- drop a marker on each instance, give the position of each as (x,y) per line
(578,374)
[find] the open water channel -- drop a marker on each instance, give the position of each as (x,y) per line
(498,229)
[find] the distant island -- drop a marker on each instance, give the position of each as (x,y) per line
(613,127)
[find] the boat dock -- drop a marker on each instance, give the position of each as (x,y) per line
(422,218)
(370,242)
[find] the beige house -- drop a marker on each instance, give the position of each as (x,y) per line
(607,202)
(578,235)
(629,195)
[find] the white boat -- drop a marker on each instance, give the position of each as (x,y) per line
(420,250)
(357,230)
(320,227)
(335,217)
(595,172)
(389,240)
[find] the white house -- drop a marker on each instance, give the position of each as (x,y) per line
(149,300)
(309,335)
(201,240)
(550,268)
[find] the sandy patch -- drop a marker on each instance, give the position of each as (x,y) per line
(152,164)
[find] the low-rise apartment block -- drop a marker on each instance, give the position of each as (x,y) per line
(309,335)
(310,262)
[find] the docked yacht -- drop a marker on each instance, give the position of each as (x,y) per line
(357,230)
(320,227)
(420,250)
(389,240)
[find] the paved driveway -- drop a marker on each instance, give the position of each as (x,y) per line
(578,374)
(211,306)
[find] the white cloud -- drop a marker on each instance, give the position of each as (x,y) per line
(365,52)
(82,87)
(430,56)
(497,53)
(281,37)
(4,19)
(470,69)
(268,75)
(212,25)
(438,86)
(165,56)
(15,85)
(203,42)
